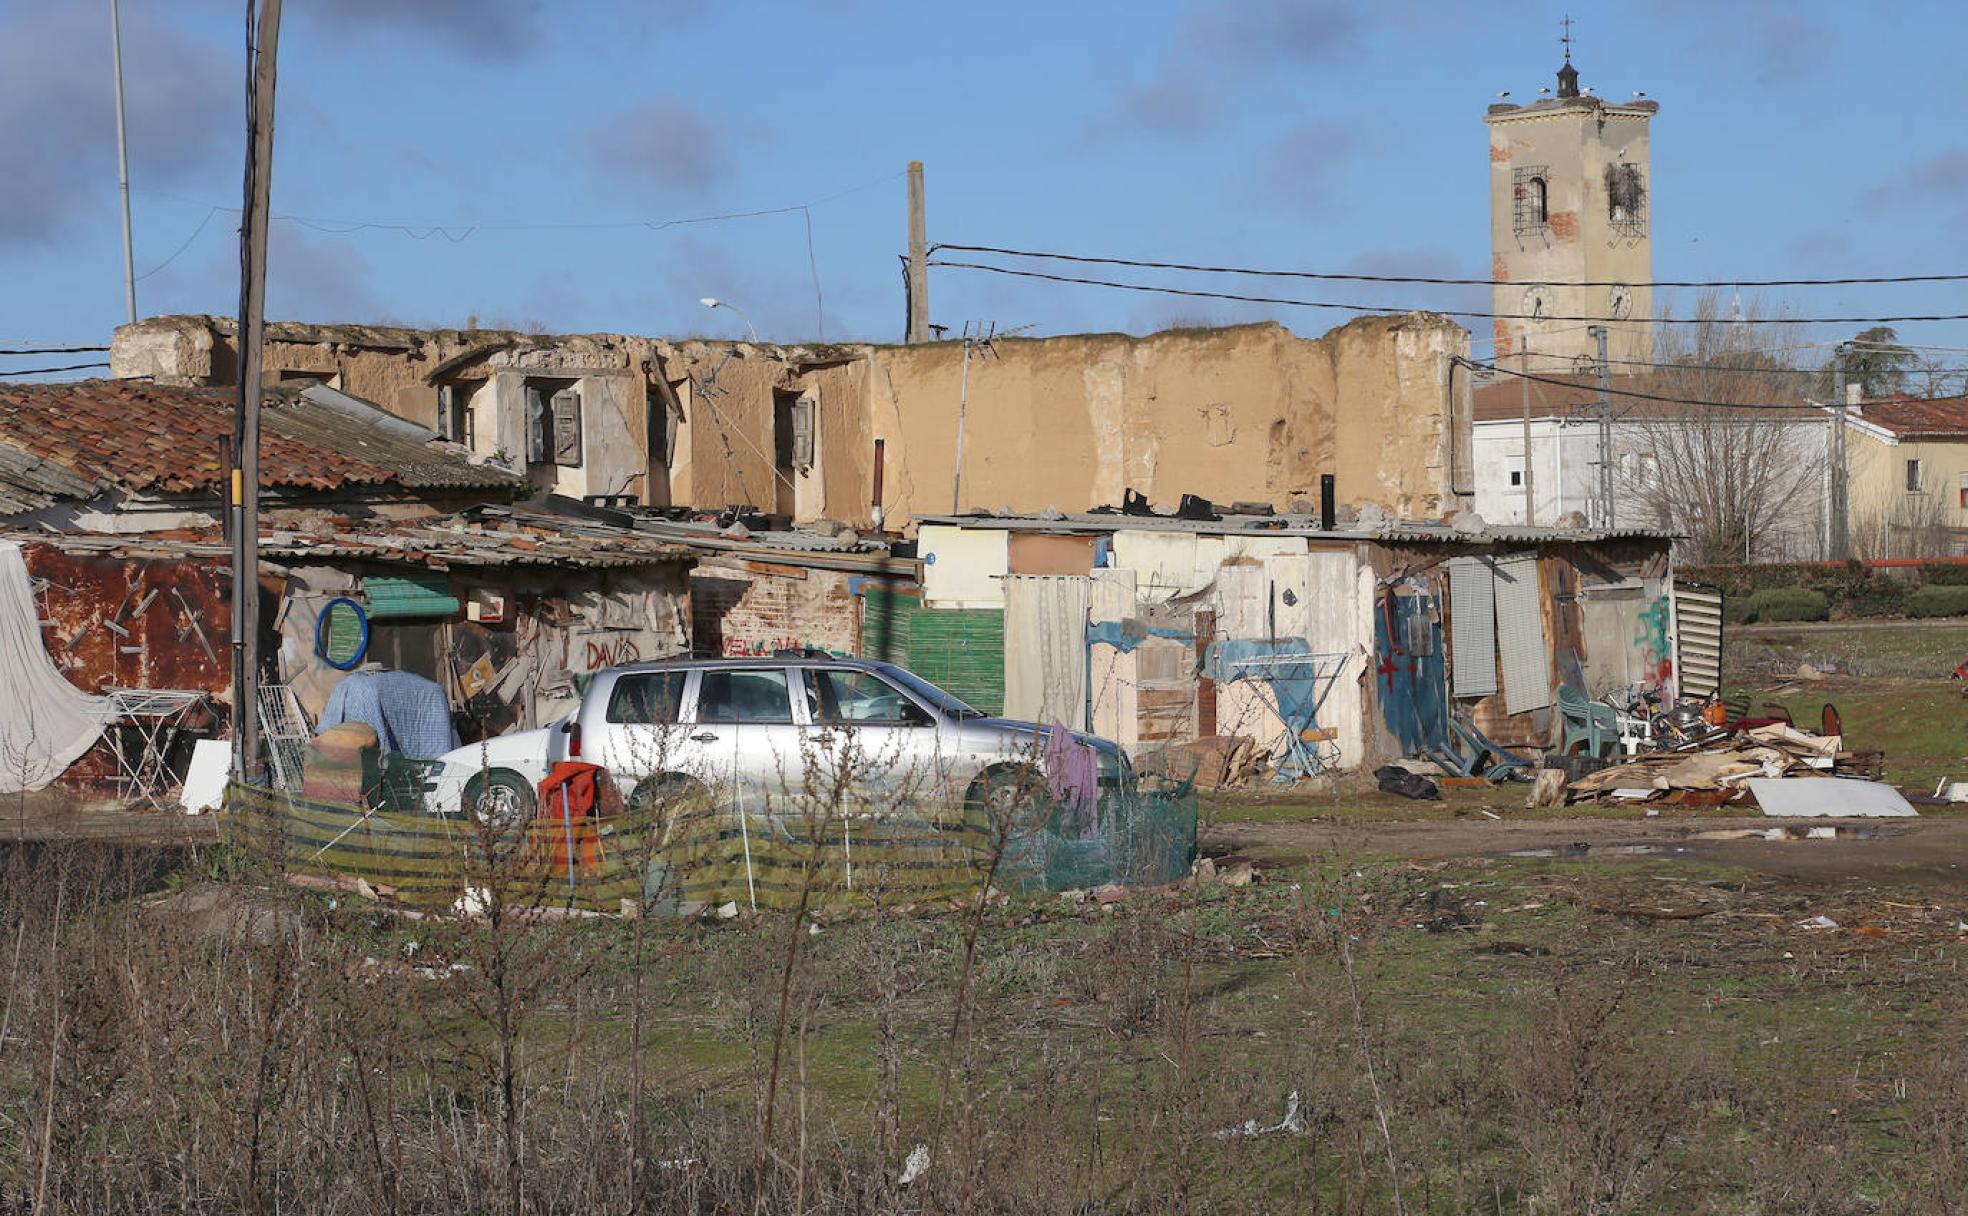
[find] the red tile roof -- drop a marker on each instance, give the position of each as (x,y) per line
(149,438)
(1916,417)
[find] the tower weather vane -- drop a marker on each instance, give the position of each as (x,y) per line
(1566,38)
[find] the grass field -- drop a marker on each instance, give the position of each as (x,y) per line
(1476,1034)
(1363,1028)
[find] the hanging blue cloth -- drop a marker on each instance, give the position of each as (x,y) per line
(408,713)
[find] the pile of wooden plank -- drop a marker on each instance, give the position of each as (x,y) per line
(1717,771)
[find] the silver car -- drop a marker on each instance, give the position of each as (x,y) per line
(760,730)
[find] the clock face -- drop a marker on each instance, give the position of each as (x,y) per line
(1620,301)
(1537,302)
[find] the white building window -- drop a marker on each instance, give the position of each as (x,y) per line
(1913,476)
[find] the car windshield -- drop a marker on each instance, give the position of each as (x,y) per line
(943,701)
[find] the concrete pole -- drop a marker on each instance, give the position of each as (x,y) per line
(123,166)
(1841,517)
(918,325)
(246,428)
(1598,333)
(1524,383)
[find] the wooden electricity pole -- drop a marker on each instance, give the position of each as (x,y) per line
(918,270)
(245,497)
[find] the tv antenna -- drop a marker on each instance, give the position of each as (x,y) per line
(981,337)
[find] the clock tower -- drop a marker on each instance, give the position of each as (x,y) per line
(1570,227)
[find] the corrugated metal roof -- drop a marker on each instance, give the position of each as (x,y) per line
(1401,531)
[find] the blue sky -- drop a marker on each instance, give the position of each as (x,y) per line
(1794,139)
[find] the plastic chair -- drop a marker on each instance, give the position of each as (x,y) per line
(1585,720)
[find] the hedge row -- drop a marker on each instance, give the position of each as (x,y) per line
(1850,589)
(1783,604)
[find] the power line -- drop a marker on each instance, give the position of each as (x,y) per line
(42,371)
(1336,277)
(50,350)
(464,229)
(1745,371)
(1635,395)
(1396,309)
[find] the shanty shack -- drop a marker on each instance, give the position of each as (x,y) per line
(379,544)
(1333,645)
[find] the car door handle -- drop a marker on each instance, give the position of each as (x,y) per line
(704,736)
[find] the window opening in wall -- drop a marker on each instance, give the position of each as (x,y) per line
(454,412)
(793,426)
(1626,199)
(1913,476)
(1532,204)
(1964,491)
(553,423)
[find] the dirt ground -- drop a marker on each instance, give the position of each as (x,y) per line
(1927,853)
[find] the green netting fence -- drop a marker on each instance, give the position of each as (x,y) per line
(707,851)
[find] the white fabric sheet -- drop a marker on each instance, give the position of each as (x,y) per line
(1046,648)
(45,722)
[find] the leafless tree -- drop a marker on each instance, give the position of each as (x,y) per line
(1735,459)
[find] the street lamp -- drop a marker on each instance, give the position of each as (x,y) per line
(714,302)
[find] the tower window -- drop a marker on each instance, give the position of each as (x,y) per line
(1531,209)
(1530,199)
(1626,199)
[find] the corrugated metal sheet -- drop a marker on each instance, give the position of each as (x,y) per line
(1521,645)
(1472,627)
(1698,639)
(961,651)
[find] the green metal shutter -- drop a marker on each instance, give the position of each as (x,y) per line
(393,596)
(961,651)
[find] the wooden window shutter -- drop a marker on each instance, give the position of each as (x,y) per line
(805,418)
(536,426)
(567,427)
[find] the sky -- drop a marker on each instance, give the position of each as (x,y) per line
(522,162)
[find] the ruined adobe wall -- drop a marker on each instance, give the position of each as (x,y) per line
(1245,413)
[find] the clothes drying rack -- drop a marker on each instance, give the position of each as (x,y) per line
(148,723)
(1327,667)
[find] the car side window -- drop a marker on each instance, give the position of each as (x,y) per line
(650,698)
(738,697)
(859,698)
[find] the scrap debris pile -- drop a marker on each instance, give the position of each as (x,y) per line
(1720,769)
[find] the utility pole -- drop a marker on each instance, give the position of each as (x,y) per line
(123,166)
(1598,333)
(918,270)
(1841,519)
(1524,383)
(246,426)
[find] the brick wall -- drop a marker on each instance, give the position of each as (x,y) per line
(741,607)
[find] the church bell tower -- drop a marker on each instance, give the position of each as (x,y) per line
(1571,241)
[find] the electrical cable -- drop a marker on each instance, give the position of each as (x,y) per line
(1636,395)
(52,350)
(464,229)
(1395,309)
(1334,277)
(185,244)
(42,371)
(1745,371)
